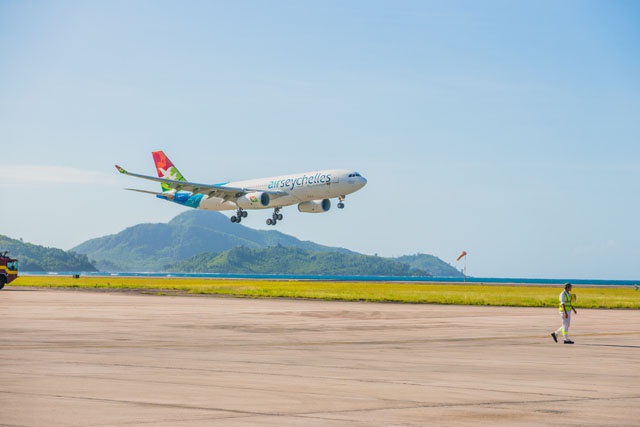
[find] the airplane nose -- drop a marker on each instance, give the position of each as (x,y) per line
(363,181)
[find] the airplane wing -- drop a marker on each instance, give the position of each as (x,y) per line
(211,190)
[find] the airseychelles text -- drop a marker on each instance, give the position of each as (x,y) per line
(291,183)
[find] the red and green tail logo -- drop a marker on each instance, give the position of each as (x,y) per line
(166,169)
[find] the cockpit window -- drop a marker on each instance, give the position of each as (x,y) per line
(351,175)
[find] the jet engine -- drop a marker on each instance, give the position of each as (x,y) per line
(257,199)
(315,206)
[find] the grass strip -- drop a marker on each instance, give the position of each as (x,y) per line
(416,293)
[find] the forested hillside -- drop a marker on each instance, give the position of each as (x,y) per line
(294,261)
(151,247)
(39,258)
(434,265)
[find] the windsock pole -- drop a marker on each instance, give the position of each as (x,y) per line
(465,269)
(463,254)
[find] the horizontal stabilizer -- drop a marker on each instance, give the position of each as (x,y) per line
(154,193)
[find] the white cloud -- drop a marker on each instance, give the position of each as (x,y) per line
(38,174)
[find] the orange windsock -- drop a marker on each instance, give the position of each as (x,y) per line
(462,254)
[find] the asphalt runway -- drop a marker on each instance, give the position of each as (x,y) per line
(90,358)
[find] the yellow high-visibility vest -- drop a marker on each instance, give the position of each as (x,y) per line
(567,300)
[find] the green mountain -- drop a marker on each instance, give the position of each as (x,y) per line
(39,258)
(152,247)
(200,241)
(296,261)
(204,241)
(434,265)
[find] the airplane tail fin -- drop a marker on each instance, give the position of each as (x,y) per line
(166,169)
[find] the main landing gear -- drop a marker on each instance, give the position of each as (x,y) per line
(277,216)
(341,202)
(241,213)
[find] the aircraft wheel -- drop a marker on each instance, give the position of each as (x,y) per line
(280,217)
(245,214)
(234,219)
(269,221)
(340,205)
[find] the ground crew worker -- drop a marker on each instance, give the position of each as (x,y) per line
(565,312)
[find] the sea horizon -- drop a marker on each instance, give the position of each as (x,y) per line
(351,278)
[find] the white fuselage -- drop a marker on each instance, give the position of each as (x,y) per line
(296,188)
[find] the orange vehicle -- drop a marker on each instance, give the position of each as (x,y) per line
(8,269)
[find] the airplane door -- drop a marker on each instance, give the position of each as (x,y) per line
(330,188)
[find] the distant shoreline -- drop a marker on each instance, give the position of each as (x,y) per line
(489,281)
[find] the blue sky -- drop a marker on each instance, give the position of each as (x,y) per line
(506,129)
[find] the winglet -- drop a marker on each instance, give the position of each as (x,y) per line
(121,169)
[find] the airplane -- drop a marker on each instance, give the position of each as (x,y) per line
(311,191)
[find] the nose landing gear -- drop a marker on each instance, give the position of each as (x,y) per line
(277,216)
(341,202)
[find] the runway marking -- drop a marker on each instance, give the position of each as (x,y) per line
(609,345)
(137,403)
(486,403)
(288,344)
(313,414)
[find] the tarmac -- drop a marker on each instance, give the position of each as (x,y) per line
(91,358)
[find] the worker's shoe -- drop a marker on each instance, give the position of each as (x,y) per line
(568,342)
(554,336)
